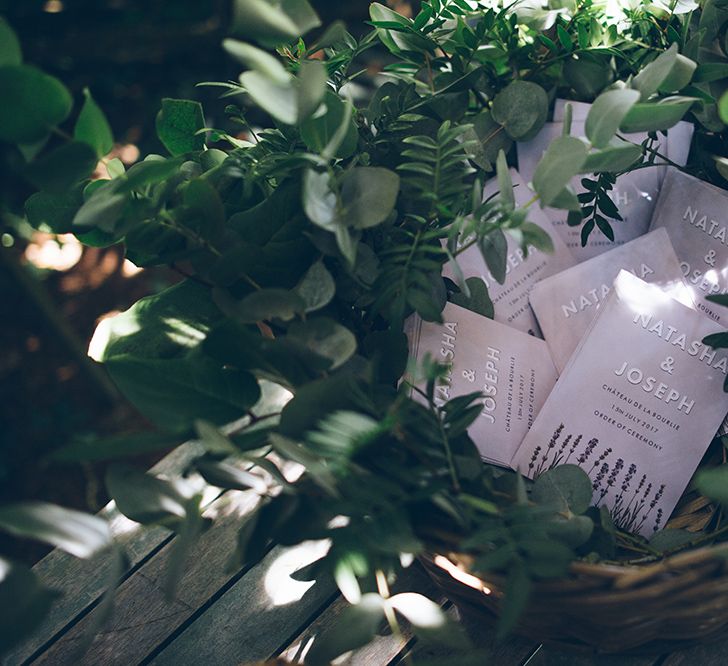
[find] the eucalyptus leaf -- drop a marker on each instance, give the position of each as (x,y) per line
(566,486)
(355,627)
(494,248)
(10,52)
(24,603)
(77,533)
(258,60)
(478,300)
(650,117)
(316,288)
(311,88)
(92,127)
(33,104)
(61,168)
(147,499)
(606,115)
(562,160)
(178,125)
(268,304)
(368,196)
(521,108)
(326,338)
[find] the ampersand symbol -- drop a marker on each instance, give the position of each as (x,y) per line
(710,258)
(668,365)
(469,375)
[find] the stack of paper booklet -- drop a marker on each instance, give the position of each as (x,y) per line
(596,355)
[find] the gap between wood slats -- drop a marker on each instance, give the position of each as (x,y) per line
(90,607)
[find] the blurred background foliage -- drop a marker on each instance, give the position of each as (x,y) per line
(130,54)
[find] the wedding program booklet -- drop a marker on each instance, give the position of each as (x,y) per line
(566,303)
(634,194)
(694,215)
(637,405)
(513,370)
(510,300)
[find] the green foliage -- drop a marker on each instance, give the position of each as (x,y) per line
(178,125)
(309,243)
(34,103)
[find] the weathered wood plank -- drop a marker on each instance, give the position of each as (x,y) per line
(550,657)
(711,654)
(485,648)
(256,615)
(82,582)
(142,617)
(385,646)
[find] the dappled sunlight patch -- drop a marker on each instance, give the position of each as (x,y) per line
(280,587)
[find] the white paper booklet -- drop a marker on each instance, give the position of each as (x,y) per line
(566,303)
(510,300)
(512,369)
(634,194)
(636,406)
(694,215)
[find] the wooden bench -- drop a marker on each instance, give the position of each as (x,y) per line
(257,612)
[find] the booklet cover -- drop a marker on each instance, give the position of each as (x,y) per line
(694,215)
(634,194)
(510,299)
(637,405)
(566,303)
(513,370)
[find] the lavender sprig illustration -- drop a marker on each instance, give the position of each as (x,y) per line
(551,446)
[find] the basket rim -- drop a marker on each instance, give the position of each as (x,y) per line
(623,575)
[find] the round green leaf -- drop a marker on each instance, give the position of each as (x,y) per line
(588,74)
(317,287)
(267,304)
(522,108)
(62,167)
(368,196)
(326,338)
(56,211)
(178,123)
(33,104)
(489,139)
(565,486)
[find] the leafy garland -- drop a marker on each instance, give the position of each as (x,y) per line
(306,246)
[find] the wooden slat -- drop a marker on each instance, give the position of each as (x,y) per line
(512,652)
(252,618)
(550,657)
(385,647)
(82,582)
(710,654)
(142,617)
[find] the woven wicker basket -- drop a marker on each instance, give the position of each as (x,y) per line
(651,608)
